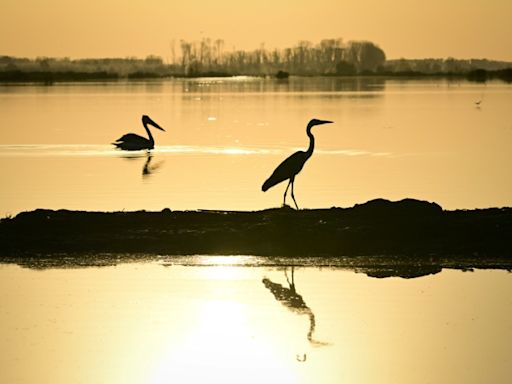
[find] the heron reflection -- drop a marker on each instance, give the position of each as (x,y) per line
(289,297)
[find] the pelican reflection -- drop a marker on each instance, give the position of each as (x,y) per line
(149,168)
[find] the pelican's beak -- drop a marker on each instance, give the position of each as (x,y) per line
(147,120)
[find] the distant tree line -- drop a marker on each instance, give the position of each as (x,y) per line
(330,56)
(479,70)
(48,69)
(209,57)
(449,65)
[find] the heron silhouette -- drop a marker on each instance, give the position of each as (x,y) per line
(134,142)
(291,166)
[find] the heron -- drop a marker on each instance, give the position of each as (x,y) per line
(291,166)
(134,142)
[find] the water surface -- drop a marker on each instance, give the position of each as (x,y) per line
(245,320)
(424,139)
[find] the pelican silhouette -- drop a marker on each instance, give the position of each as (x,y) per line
(133,142)
(291,166)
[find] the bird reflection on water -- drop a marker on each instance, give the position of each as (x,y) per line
(149,167)
(295,303)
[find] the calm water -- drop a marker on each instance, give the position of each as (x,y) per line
(238,320)
(392,139)
(241,319)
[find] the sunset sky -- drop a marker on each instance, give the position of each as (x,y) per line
(115,28)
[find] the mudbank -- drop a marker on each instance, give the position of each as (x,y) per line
(407,228)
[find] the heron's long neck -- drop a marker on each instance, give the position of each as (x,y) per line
(149,133)
(311,148)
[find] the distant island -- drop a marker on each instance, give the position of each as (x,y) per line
(208,58)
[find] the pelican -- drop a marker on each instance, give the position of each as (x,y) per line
(290,167)
(133,142)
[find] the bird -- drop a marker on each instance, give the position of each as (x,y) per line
(134,142)
(479,101)
(291,166)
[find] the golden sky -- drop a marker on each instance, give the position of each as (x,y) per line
(116,28)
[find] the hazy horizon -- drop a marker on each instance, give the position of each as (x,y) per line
(167,58)
(407,29)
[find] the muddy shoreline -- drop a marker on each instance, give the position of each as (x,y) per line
(405,229)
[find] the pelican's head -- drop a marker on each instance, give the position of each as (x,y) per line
(314,122)
(147,120)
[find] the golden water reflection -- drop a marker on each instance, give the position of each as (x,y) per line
(219,323)
(391,139)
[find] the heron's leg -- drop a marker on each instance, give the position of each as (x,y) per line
(285,192)
(293,196)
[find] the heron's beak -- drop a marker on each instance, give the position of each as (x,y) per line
(149,121)
(325,122)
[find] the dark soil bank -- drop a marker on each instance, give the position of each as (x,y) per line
(408,228)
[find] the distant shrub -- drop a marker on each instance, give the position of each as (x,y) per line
(282,75)
(478,75)
(345,68)
(144,75)
(505,74)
